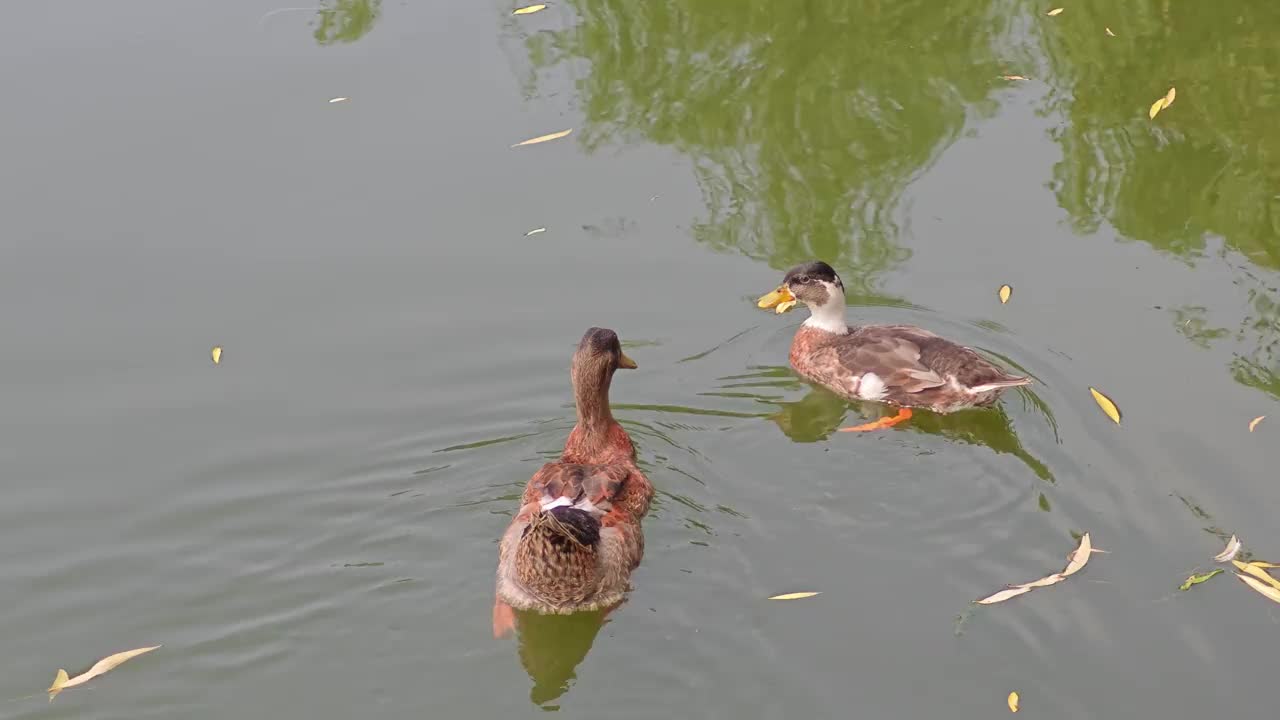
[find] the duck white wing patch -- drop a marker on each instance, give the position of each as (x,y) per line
(561,501)
(871,387)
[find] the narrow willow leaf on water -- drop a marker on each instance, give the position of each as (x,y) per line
(216,354)
(1169,96)
(535,231)
(1005,594)
(1013,77)
(1006,291)
(1261,564)
(1156,107)
(1079,557)
(338,100)
(1230,552)
(1045,581)
(1055,11)
(1265,590)
(1107,406)
(1197,579)
(544,138)
(1109,32)
(1013,702)
(1257,572)
(104,665)
(1254,423)
(528,9)
(795,596)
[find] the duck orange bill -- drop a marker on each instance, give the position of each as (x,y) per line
(626,362)
(781,300)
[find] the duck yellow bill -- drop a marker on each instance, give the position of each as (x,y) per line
(781,300)
(626,362)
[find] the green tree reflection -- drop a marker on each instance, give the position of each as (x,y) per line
(346,21)
(1208,168)
(806,121)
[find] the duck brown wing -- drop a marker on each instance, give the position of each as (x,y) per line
(914,359)
(583,485)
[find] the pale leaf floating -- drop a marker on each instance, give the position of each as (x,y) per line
(1013,702)
(216,354)
(1197,579)
(1169,96)
(535,231)
(544,138)
(1075,561)
(1162,103)
(1229,553)
(1012,77)
(1254,422)
(1006,291)
(795,596)
(1257,572)
(105,665)
(1109,32)
(528,9)
(338,100)
(1265,590)
(1107,405)
(1055,11)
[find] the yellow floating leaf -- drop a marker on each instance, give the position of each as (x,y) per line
(1079,556)
(1229,553)
(795,596)
(1013,702)
(216,354)
(104,665)
(1005,292)
(1265,590)
(1169,96)
(1107,406)
(1012,591)
(59,682)
(1254,422)
(1055,11)
(544,138)
(1260,564)
(528,10)
(1257,572)
(784,306)
(1109,32)
(1156,107)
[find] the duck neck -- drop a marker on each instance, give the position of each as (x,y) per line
(829,317)
(594,432)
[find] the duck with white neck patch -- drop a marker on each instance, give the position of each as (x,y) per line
(900,365)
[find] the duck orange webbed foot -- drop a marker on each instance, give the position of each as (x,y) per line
(903,415)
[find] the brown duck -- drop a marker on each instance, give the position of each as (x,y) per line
(901,365)
(576,537)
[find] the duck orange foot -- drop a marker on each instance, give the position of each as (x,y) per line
(903,415)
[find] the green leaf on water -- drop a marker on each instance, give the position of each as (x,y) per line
(1197,579)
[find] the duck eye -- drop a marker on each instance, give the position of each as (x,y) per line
(802,279)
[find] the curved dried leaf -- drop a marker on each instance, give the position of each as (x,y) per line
(528,10)
(1228,554)
(1013,77)
(1006,291)
(105,665)
(338,100)
(1261,564)
(1055,11)
(1045,581)
(795,596)
(1257,572)
(59,682)
(1197,579)
(535,231)
(543,138)
(1109,32)
(1265,590)
(1169,96)
(1107,405)
(1079,556)
(1254,422)
(1012,591)
(1013,702)
(1156,107)
(216,354)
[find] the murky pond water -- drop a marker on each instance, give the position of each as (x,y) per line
(310,527)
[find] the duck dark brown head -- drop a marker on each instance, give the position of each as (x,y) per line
(817,285)
(601,344)
(598,356)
